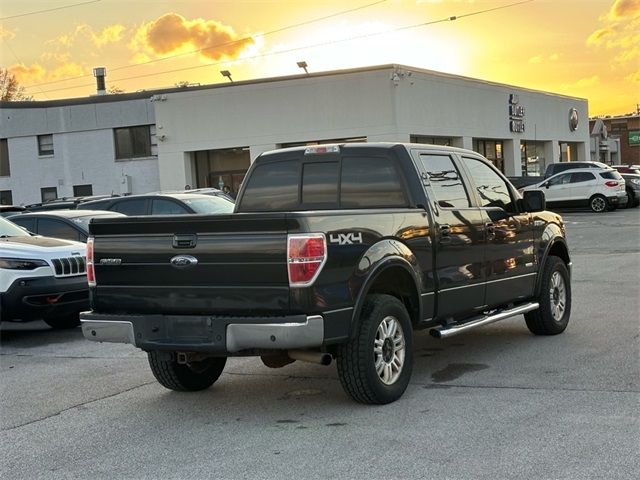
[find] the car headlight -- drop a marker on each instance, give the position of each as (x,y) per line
(21,264)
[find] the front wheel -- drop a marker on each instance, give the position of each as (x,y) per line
(186,377)
(375,365)
(553,315)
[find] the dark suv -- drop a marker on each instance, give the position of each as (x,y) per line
(163,204)
(554,168)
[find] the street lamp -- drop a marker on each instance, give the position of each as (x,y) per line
(226,73)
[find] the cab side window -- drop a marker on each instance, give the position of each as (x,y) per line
(580,177)
(445,181)
(491,188)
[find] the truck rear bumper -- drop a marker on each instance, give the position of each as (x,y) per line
(219,335)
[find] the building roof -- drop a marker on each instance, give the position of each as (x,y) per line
(145,94)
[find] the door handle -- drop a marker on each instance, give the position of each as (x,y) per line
(445,229)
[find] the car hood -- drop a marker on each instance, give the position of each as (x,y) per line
(27,247)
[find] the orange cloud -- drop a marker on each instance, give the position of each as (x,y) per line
(109,34)
(597,37)
(625,9)
(27,74)
(172,33)
(6,33)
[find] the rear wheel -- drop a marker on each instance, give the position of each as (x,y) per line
(598,203)
(375,365)
(63,322)
(630,199)
(553,315)
(191,376)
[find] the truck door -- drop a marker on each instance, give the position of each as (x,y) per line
(459,236)
(510,268)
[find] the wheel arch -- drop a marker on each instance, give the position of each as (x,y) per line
(557,248)
(395,276)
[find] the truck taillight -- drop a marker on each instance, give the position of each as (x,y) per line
(611,184)
(306,255)
(91,273)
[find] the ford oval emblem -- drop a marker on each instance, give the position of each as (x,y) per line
(184,261)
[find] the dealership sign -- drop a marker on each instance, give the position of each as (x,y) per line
(516,114)
(573,119)
(634,137)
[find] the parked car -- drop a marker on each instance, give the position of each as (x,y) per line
(65,224)
(64,203)
(8,210)
(555,168)
(634,169)
(632,186)
(163,204)
(335,251)
(598,189)
(41,278)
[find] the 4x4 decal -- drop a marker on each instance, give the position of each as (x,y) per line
(345,238)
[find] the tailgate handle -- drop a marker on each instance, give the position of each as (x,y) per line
(184,241)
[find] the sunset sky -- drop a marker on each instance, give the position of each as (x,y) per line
(583,48)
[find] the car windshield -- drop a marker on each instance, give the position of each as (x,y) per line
(10,229)
(210,204)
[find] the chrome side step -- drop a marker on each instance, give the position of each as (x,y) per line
(483,320)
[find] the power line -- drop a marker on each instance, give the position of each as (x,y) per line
(49,9)
(15,55)
(294,49)
(225,44)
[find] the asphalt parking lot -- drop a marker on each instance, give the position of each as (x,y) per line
(496,402)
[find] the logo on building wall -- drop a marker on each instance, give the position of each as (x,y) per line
(573,119)
(516,114)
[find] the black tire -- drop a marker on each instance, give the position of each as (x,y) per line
(63,322)
(630,199)
(598,203)
(185,377)
(356,359)
(542,321)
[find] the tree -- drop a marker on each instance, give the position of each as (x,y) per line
(114,90)
(10,89)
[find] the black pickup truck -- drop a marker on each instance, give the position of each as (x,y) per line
(332,252)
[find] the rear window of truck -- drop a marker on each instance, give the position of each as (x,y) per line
(303,184)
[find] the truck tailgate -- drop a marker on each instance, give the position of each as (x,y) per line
(241,264)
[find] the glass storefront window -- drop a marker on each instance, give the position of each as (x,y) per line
(491,150)
(532,158)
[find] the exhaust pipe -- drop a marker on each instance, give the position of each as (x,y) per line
(312,357)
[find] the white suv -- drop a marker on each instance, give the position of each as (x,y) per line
(41,278)
(584,187)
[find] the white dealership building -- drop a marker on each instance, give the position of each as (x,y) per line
(208,135)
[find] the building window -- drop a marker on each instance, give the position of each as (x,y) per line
(45,145)
(48,193)
(132,142)
(6,198)
(82,190)
(532,158)
(491,150)
(5,171)
(430,140)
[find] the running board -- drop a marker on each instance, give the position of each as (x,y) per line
(484,320)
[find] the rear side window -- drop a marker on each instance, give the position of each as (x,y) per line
(445,181)
(56,229)
(160,206)
(368,182)
(272,187)
(131,207)
(580,177)
(611,175)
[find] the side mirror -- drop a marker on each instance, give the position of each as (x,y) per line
(546,185)
(533,201)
